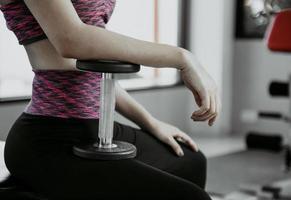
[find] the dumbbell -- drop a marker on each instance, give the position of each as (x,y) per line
(251,116)
(104,148)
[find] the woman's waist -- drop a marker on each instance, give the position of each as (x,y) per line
(65,94)
(43,56)
(63,109)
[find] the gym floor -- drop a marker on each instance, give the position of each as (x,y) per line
(217,146)
(214,147)
(236,173)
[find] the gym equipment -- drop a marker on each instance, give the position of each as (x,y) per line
(279,89)
(262,192)
(251,116)
(104,148)
(255,140)
(270,141)
(278,37)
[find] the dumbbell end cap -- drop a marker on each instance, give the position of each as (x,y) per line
(107,66)
(123,150)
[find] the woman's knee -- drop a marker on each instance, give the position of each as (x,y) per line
(200,160)
(194,167)
(192,191)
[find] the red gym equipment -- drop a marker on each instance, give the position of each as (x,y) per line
(279,40)
(279,33)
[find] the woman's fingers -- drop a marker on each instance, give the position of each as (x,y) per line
(209,114)
(205,104)
(175,146)
(186,139)
(212,109)
(212,120)
(197,98)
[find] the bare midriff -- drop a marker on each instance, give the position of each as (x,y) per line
(43,56)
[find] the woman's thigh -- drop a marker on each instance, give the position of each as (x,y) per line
(39,152)
(77,178)
(191,166)
(155,172)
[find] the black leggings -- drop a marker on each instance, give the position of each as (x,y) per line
(38,152)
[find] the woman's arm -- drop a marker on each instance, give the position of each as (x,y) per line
(75,39)
(131,109)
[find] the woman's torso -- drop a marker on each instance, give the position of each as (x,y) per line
(42,54)
(58,88)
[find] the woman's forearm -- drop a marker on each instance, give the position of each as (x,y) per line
(90,42)
(132,110)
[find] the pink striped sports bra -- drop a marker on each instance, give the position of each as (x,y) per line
(27,30)
(60,93)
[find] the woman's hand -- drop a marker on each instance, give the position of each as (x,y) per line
(203,88)
(168,133)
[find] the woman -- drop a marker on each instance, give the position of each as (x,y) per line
(64,111)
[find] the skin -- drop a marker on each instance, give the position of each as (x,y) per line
(70,39)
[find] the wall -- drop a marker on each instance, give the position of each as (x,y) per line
(15,71)
(254,68)
(8,114)
(21,67)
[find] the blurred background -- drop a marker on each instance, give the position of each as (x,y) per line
(246,148)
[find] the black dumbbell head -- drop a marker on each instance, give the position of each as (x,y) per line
(107,66)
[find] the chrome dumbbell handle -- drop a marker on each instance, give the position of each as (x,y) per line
(105,148)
